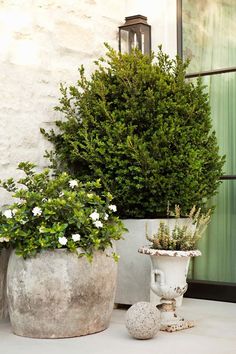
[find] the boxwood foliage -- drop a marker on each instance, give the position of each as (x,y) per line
(143,129)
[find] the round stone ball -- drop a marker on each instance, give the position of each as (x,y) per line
(143,320)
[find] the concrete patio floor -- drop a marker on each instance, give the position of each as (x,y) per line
(215,333)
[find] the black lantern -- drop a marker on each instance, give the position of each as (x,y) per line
(135,33)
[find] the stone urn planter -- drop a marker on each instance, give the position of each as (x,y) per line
(168,281)
(56,294)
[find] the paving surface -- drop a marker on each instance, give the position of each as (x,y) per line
(214,333)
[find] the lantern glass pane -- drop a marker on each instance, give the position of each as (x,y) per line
(124,41)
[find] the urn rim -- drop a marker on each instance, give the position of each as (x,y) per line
(171,253)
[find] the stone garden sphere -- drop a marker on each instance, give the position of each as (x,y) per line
(143,320)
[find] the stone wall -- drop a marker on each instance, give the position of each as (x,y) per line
(42,43)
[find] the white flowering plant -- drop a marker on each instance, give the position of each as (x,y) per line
(52,212)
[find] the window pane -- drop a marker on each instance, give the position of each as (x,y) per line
(209,38)
(222,92)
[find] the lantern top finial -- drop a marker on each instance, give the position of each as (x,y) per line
(135,20)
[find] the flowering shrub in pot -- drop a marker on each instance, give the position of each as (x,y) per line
(62,273)
(51,213)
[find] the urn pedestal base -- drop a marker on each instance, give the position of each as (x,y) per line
(170,321)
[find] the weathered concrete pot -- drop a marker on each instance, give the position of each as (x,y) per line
(58,295)
(4,256)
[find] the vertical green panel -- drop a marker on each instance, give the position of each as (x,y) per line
(219,244)
(222,93)
(209,39)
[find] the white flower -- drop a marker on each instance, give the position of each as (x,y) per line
(94,216)
(8,214)
(4,239)
(106,216)
(37,211)
(61,194)
(44,200)
(42,229)
(98,223)
(112,207)
(73,183)
(76,237)
(14,211)
(62,240)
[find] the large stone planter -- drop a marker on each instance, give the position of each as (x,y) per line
(133,282)
(4,256)
(58,295)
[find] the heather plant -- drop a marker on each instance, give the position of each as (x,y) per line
(184,235)
(58,212)
(140,127)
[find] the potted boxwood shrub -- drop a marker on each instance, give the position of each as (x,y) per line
(171,248)
(146,132)
(61,276)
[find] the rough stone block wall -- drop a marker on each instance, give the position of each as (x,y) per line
(42,43)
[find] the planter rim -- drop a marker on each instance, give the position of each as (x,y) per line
(154,252)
